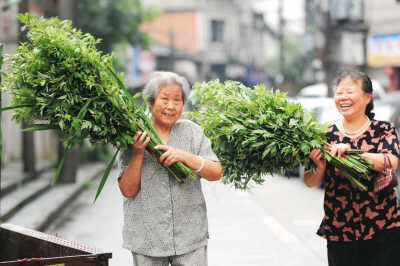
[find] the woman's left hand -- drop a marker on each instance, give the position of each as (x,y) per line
(339,149)
(170,156)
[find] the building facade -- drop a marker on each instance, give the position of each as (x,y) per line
(208,39)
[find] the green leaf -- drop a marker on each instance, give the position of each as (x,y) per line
(14,107)
(105,176)
(39,127)
(60,166)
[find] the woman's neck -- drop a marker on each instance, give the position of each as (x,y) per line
(354,124)
(355,127)
(163,130)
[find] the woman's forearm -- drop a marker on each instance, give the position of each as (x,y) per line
(377,159)
(129,182)
(212,171)
(314,178)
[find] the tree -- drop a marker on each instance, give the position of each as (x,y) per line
(115,21)
(292,65)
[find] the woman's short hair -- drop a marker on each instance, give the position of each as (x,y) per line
(159,80)
(366,86)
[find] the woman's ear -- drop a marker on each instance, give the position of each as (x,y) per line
(369,95)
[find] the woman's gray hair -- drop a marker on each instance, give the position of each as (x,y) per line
(160,79)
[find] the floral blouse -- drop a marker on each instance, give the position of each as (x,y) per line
(351,214)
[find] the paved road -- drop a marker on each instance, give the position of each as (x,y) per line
(272,225)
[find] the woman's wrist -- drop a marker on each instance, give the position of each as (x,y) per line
(201,165)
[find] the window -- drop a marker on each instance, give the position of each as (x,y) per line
(217,31)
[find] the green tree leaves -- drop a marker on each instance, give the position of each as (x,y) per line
(115,21)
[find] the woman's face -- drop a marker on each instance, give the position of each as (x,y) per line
(168,105)
(351,101)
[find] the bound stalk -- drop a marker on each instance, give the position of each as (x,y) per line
(354,167)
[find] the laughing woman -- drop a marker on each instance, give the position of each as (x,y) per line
(361,227)
(165,222)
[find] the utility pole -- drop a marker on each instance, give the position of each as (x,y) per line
(281,46)
(28,144)
(67,9)
(328,60)
(1,141)
(172,50)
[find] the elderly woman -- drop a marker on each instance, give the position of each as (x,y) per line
(165,222)
(361,227)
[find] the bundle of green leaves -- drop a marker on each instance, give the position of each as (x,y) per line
(59,78)
(255,131)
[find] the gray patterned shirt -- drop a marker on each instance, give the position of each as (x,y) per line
(165,217)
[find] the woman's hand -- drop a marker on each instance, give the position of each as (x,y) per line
(170,156)
(211,170)
(318,159)
(339,149)
(140,141)
(314,178)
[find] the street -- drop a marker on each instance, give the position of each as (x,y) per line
(273,224)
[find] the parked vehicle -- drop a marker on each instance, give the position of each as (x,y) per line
(321,90)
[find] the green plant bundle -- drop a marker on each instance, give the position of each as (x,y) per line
(255,131)
(59,78)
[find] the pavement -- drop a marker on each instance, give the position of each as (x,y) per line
(272,224)
(33,202)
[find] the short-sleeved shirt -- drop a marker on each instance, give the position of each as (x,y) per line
(165,217)
(352,214)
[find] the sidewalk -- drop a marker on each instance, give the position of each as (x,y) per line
(34,203)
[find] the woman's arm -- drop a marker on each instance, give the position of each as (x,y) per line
(212,171)
(313,179)
(129,182)
(377,159)
(388,142)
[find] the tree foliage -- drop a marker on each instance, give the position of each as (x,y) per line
(114,21)
(293,64)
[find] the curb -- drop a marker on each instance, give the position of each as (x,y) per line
(49,219)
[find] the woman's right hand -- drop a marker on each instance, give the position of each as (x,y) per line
(318,159)
(140,141)
(314,178)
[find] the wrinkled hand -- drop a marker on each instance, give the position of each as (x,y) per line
(170,155)
(318,159)
(140,141)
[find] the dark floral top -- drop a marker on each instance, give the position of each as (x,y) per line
(351,214)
